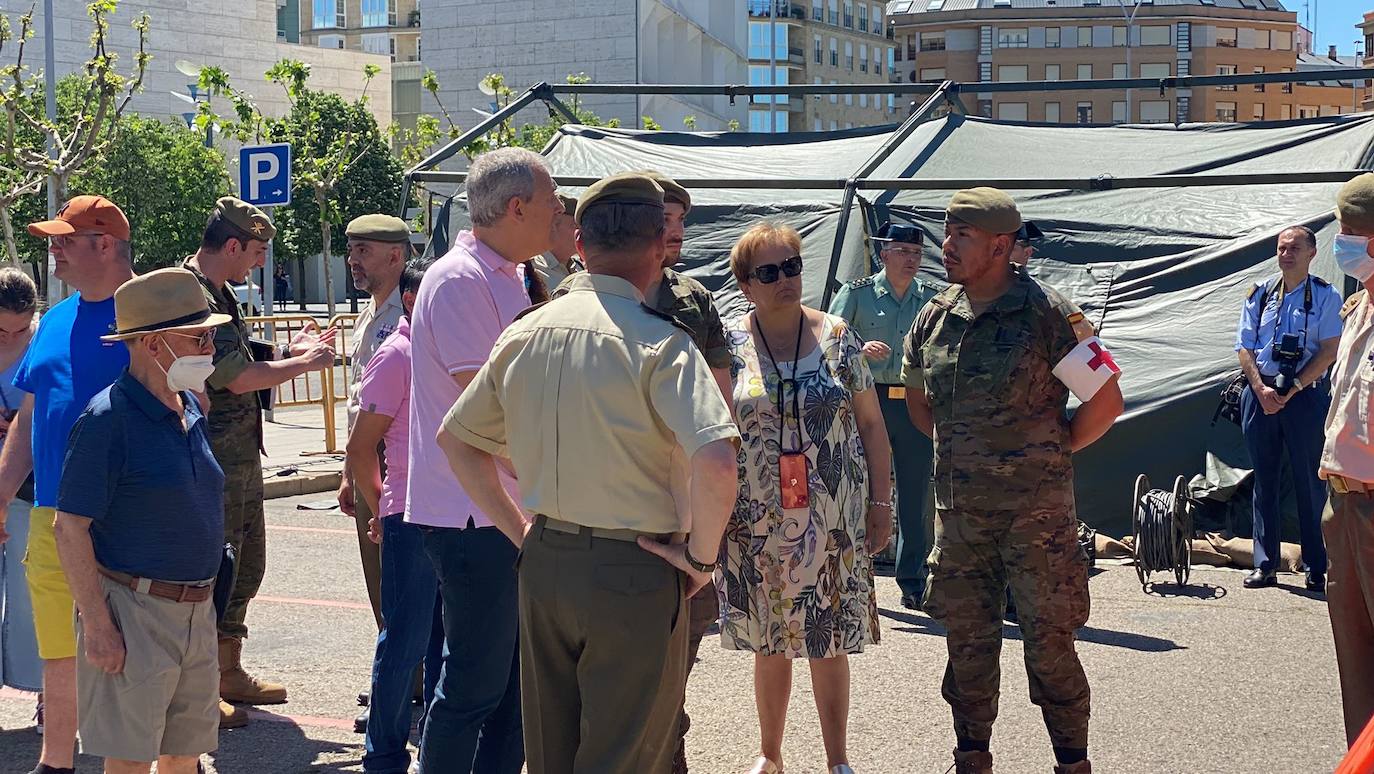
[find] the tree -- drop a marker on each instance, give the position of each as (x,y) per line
(27,132)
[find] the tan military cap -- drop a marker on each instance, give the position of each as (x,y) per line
(569,203)
(165,300)
(378,228)
(1355,203)
(247,218)
(672,192)
(987,208)
(624,188)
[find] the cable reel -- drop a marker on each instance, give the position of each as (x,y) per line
(1162,525)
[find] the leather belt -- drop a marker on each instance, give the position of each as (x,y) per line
(177,592)
(624,535)
(1342,485)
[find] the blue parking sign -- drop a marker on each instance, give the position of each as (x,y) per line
(265,174)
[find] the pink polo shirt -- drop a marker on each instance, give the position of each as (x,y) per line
(384,389)
(466,299)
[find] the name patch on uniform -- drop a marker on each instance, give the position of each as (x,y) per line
(1086,368)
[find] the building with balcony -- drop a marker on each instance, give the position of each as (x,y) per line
(386,27)
(819,42)
(1053,40)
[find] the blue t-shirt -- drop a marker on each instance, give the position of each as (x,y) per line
(66,365)
(150,485)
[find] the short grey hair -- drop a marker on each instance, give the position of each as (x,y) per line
(498,176)
(621,227)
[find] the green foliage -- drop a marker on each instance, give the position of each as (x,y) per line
(690,122)
(650,124)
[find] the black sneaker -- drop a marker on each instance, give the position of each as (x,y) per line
(911,601)
(44,768)
(360,722)
(1316,581)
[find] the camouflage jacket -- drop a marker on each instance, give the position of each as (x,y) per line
(235,419)
(1001,426)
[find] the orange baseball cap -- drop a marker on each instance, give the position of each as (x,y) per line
(85,213)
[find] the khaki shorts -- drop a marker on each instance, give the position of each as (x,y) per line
(166,701)
(53,607)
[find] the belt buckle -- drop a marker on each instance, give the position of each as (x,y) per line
(896,393)
(1338,485)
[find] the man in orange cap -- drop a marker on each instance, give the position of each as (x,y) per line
(89,242)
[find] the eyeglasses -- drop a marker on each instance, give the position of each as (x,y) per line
(768,274)
(205,338)
(62,241)
(907,252)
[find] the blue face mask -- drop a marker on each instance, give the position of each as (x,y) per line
(1352,256)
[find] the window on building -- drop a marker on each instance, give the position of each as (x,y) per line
(932,75)
(1118,112)
(328,14)
(1226,112)
(1226,37)
(1259,111)
(1154,35)
(1263,39)
(1183,40)
(984,71)
(377,43)
(1226,70)
(1118,36)
(1119,70)
(849,100)
(1013,37)
(932,41)
(863,98)
(1085,37)
(1052,112)
(1051,37)
(834,126)
(761,35)
(834,53)
(985,108)
(1051,72)
(1085,112)
(1154,112)
(379,13)
(863,17)
(985,40)
(1286,112)
(816,125)
(817,82)
(1185,67)
(878,20)
(1307,111)
(1011,111)
(1184,107)
(877,61)
(758,76)
(891,59)
(834,98)
(1286,88)
(848,125)
(1259,87)
(863,54)
(818,10)
(758,121)
(1013,73)
(849,56)
(331,41)
(1157,70)
(819,54)
(911,48)
(849,14)
(1282,40)
(1085,72)
(833,13)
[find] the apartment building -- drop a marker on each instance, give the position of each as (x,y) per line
(386,27)
(819,42)
(1064,40)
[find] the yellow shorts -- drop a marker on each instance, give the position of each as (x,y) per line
(54,612)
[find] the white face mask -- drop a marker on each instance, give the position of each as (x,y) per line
(188,372)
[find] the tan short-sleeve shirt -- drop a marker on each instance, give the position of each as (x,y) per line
(1349,447)
(589,395)
(372,327)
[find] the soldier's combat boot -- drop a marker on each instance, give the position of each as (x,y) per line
(231,716)
(972,762)
(237,685)
(1082,767)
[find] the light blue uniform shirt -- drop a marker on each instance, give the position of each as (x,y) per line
(872,310)
(1258,329)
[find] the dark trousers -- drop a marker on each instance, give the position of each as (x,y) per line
(1349,526)
(412,634)
(603,654)
(473,724)
(702,611)
(912,453)
(1299,429)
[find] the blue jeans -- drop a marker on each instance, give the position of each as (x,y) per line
(20,666)
(412,631)
(473,724)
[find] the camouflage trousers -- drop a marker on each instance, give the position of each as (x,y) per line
(977,555)
(245,527)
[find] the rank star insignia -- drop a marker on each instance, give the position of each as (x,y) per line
(257,228)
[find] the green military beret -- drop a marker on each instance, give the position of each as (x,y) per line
(569,203)
(1355,203)
(378,228)
(672,192)
(247,218)
(624,188)
(986,208)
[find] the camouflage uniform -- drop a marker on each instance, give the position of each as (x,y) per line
(236,439)
(1004,499)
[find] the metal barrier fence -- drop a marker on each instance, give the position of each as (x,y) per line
(322,387)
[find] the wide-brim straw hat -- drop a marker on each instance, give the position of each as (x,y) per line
(162,301)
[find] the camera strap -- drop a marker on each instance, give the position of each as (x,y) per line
(1277,293)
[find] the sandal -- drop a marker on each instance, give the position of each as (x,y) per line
(764,766)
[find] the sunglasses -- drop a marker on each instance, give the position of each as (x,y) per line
(205,338)
(768,274)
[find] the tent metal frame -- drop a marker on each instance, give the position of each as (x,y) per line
(935,96)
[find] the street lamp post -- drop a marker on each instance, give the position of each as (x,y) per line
(1130,26)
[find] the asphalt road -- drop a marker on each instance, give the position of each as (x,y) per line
(1208,679)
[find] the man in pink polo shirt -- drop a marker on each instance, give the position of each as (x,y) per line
(466,299)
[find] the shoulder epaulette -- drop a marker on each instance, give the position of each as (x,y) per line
(665,316)
(861,282)
(1352,302)
(1258,287)
(1321,283)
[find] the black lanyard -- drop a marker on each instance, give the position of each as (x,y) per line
(782,388)
(1278,313)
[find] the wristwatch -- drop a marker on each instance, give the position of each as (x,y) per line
(696,565)
(1297,382)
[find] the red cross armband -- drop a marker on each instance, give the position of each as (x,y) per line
(1086,368)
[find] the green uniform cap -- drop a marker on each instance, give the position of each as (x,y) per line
(247,218)
(569,203)
(986,208)
(672,192)
(624,188)
(1355,203)
(378,228)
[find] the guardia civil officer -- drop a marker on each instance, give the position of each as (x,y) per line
(881,309)
(988,368)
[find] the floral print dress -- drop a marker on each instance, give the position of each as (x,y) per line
(799,582)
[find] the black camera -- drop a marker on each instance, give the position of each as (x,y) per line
(1287,353)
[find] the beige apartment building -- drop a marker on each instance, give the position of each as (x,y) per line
(819,42)
(387,27)
(1064,40)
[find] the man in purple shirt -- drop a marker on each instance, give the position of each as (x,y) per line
(466,299)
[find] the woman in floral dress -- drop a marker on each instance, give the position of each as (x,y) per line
(796,579)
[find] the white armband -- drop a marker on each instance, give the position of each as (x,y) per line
(1085,369)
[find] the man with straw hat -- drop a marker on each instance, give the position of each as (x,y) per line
(140,526)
